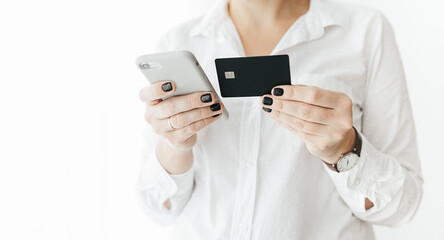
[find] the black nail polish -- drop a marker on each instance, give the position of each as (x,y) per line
(206,98)
(267,101)
(216,115)
(166,87)
(266,109)
(278,91)
(215,107)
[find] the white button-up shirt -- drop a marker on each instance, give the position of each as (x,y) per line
(253,179)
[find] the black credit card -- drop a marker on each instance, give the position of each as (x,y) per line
(252,76)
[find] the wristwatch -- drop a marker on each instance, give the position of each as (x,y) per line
(350,159)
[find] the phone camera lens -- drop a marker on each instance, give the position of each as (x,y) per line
(144,65)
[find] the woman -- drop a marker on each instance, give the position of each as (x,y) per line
(323,158)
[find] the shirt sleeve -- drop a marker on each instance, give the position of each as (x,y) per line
(388,172)
(156,185)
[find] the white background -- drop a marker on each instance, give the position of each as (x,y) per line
(71,120)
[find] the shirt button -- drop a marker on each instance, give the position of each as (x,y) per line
(249,165)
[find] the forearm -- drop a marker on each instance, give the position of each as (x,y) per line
(401,207)
(174,161)
(379,187)
(345,147)
(163,194)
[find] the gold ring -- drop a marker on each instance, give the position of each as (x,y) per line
(171,126)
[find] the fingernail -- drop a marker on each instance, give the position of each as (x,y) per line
(206,98)
(266,109)
(267,101)
(215,107)
(278,91)
(166,87)
(216,115)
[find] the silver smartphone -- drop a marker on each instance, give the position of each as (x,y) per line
(182,68)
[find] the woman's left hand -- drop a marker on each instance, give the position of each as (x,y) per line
(321,118)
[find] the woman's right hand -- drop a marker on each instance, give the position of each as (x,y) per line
(187,114)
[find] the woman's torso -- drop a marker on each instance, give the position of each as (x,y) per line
(253,178)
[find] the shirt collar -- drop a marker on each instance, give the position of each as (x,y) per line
(321,14)
(215,16)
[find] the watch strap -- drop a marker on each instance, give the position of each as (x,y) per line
(358,143)
(356,149)
(332,166)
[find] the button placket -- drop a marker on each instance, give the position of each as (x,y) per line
(246,192)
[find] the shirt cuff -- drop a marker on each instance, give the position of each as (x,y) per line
(359,183)
(158,186)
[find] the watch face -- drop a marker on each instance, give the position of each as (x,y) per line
(347,162)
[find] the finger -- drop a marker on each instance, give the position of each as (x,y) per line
(288,127)
(299,124)
(183,119)
(178,104)
(308,94)
(306,137)
(153,93)
(308,112)
(191,129)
